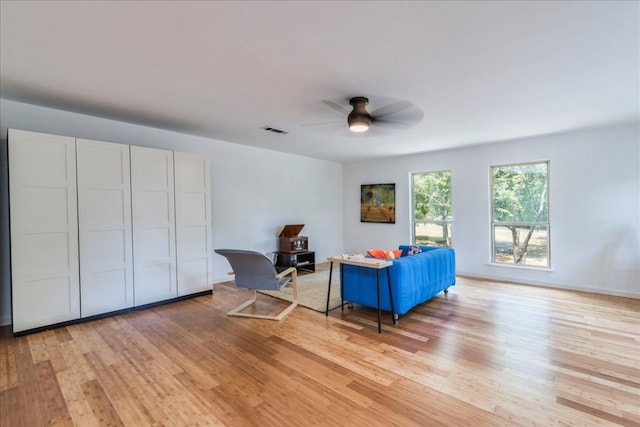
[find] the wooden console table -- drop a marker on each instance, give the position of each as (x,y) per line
(376,263)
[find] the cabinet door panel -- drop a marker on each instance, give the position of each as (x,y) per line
(154,207)
(48,253)
(104,212)
(194,240)
(44,229)
(193,223)
(153,225)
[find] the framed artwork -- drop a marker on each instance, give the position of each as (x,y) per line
(378,203)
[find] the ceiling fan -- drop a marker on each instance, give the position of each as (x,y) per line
(393,114)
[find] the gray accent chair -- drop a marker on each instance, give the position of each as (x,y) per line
(255,271)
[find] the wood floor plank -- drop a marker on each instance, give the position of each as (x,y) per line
(100,404)
(77,404)
(8,369)
(10,399)
(122,398)
(487,354)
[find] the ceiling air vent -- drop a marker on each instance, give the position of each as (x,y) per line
(274,130)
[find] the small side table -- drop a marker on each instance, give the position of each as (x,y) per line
(376,263)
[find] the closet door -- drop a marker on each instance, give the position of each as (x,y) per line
(193,223)
(44,229)
(104,223)
(153,214)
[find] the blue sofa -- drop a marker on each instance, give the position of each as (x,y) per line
(414,279)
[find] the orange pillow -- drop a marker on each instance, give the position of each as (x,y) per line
(379,253)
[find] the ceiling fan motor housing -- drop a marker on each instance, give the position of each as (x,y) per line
(359,119)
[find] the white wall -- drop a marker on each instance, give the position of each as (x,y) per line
(254,192)
(594,207)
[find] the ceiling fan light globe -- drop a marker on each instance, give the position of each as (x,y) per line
(358,122)
(359,127)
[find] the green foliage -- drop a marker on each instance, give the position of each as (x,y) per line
(432,196)
(520,193)
(432,202)
(520,196)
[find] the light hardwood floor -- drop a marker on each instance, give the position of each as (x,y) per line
(486,354)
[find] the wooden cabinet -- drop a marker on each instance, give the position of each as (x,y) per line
(44,229)
(99,227)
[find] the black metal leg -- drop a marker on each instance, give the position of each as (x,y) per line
(326,312)
(393,313)
(341,288)
(378,292)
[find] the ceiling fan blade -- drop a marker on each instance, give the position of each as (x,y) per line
(341,108)
(392,124)
(331,122)
(390,109)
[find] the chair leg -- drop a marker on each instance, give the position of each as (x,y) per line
(294,303)
(238,310)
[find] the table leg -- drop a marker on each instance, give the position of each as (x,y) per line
(341,288)
(378,293)
(326,312)
(393,313)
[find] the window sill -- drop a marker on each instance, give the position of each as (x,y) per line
(520,267)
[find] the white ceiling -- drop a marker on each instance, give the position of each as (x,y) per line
(480,71)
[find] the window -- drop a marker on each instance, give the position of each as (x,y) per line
(431,208)
(520,214)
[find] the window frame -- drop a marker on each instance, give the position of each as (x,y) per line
(493,223)
(412,218)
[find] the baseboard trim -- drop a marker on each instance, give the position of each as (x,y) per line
(101,316)
(609,292)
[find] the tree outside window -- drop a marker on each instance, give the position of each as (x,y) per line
(431,210)
(520,214)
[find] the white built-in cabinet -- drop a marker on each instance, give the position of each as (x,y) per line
(44,229)
(193,222)
(154,235)
(98,227)
(104,224)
